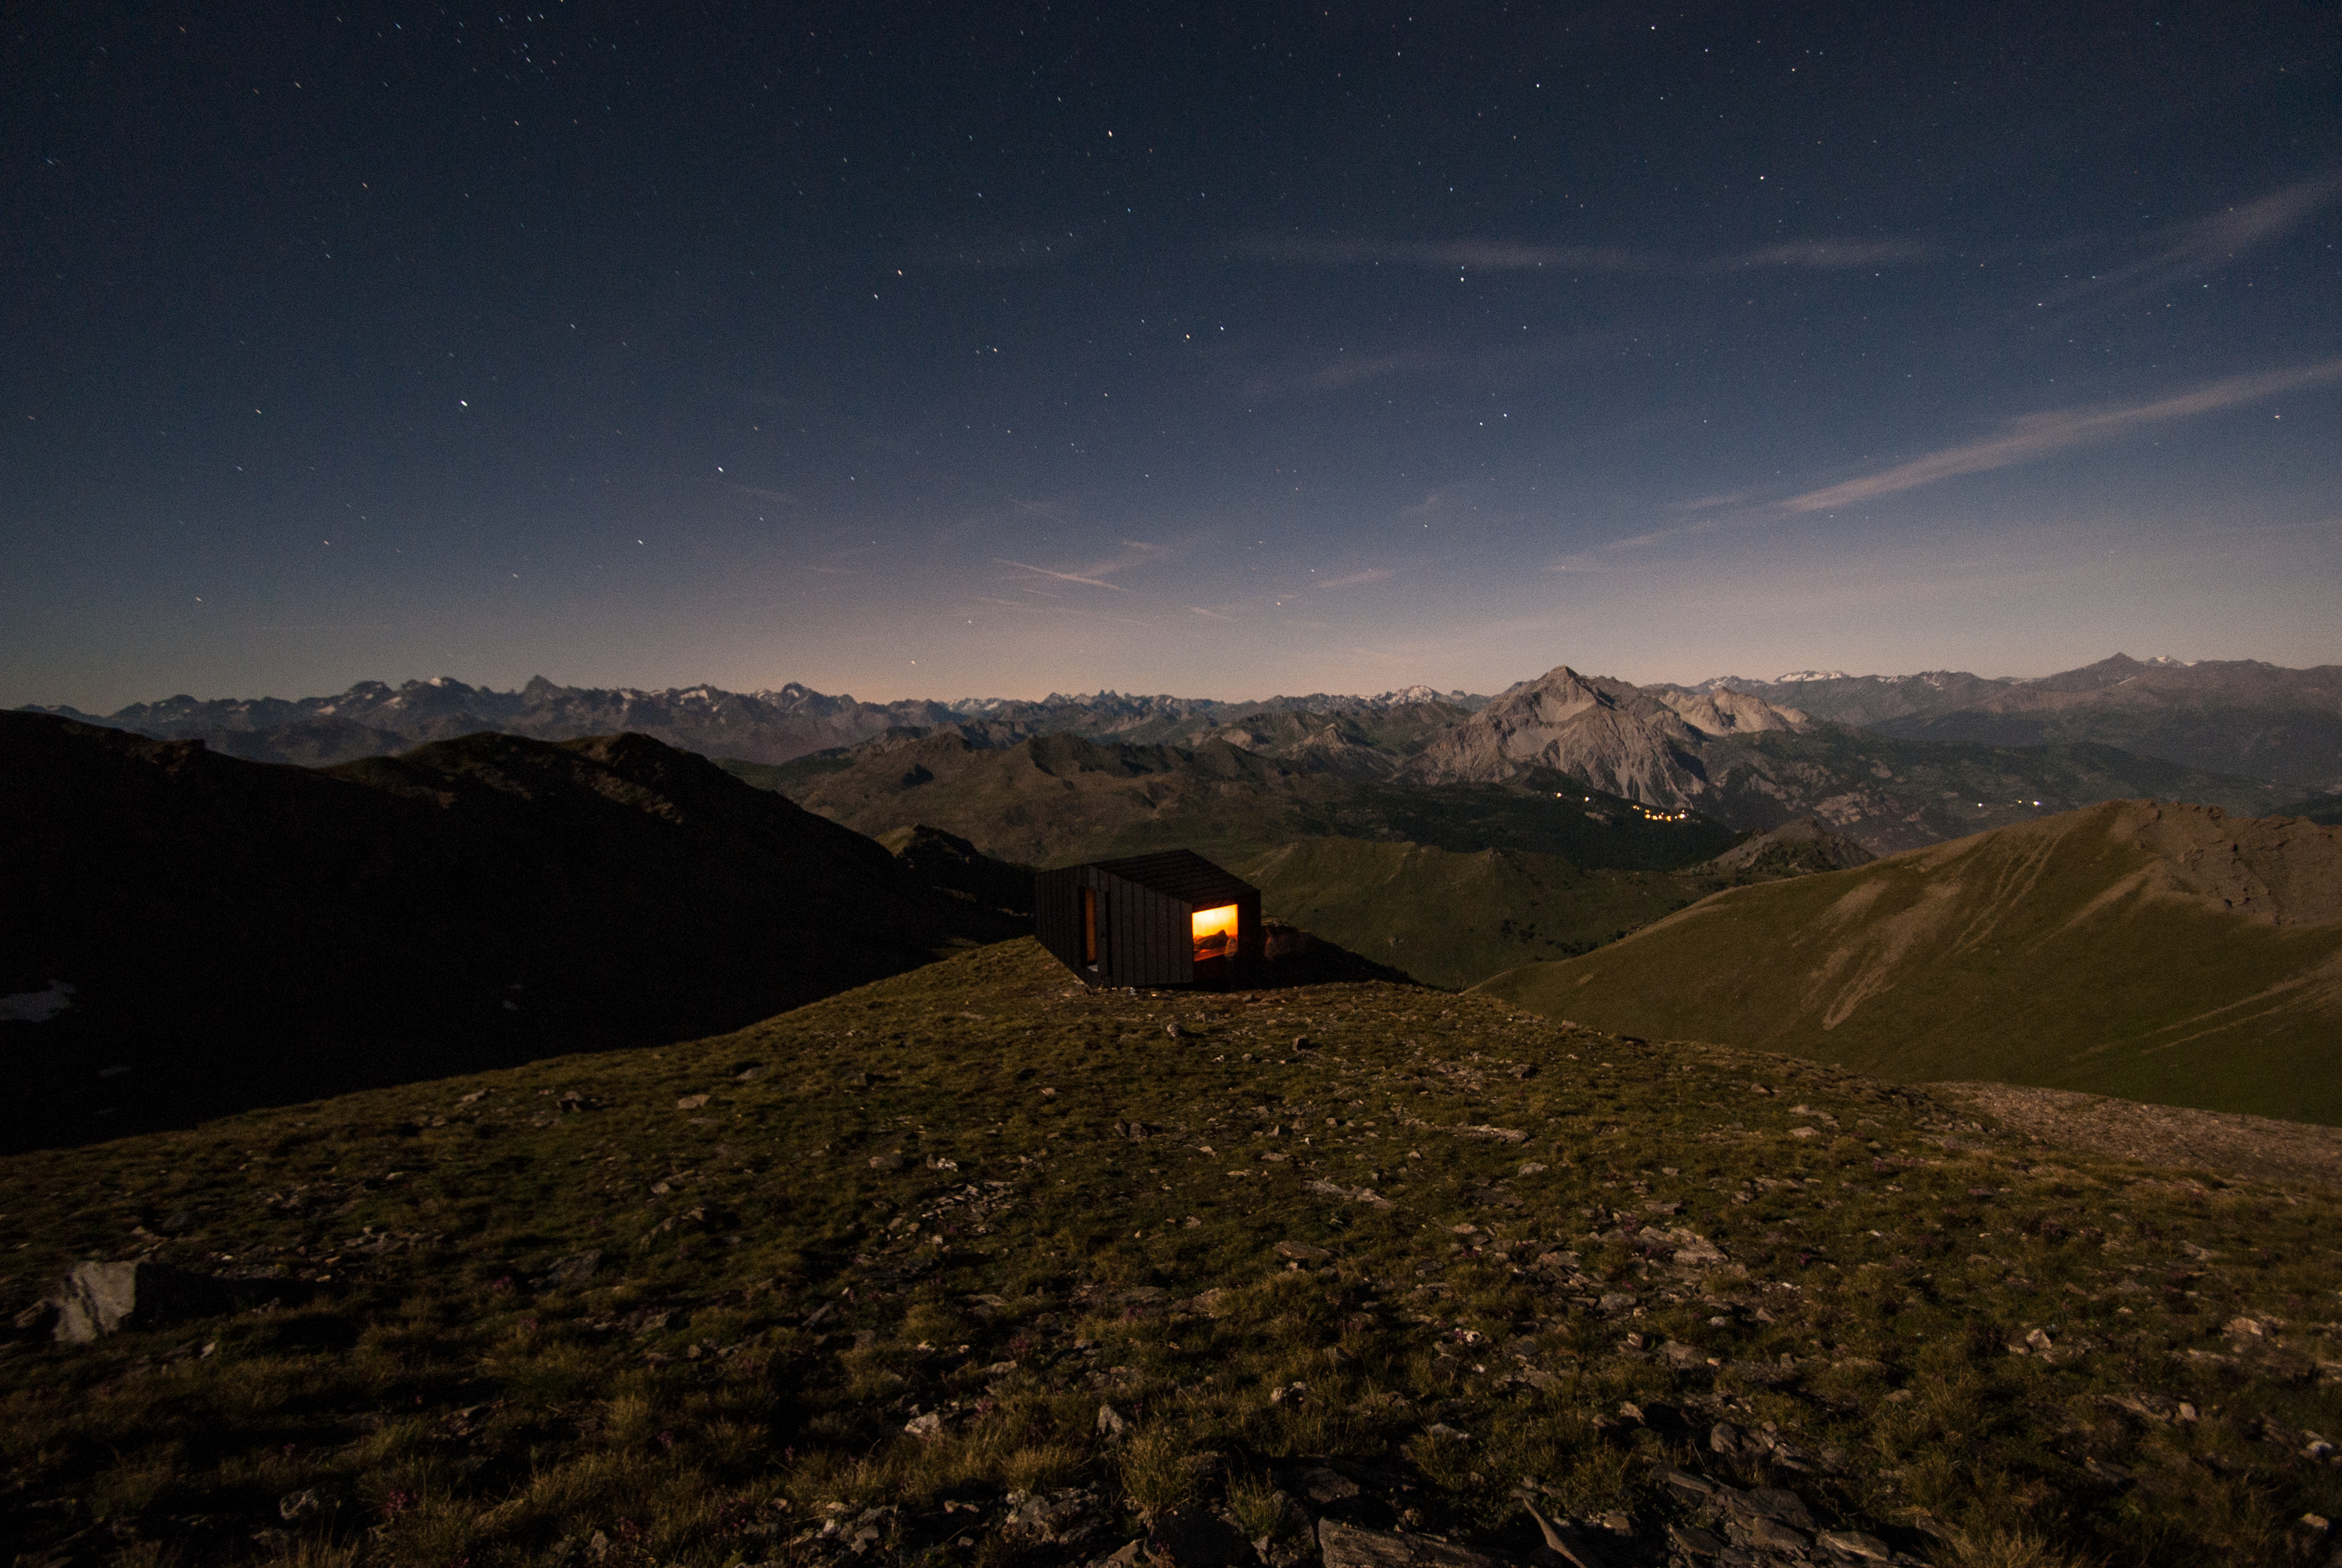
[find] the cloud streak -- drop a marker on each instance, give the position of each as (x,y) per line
(1062,577)
(1512,255)
(2038,435)
(2208,243)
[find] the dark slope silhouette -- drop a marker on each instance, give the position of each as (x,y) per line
(237,933)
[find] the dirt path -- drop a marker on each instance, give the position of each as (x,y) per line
(2253,1148)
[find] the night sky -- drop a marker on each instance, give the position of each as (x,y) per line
(1216,350)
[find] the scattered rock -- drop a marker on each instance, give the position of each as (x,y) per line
(1196,1537)
(1492,1134)
(1691,1538)
(691,1102)
(1071,1517)
(1855,1545)
(1774,1536)
(927,1428)
(1773,1502)
(569,1272)
(100,1298)
(1347,1546)
(1302,1253)
(1110,1422)
(1324,1487)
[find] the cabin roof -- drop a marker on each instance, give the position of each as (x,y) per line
(1181,873)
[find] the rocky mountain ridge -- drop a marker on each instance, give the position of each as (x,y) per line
(772,726)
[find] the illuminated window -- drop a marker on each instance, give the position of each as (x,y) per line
(1216,933)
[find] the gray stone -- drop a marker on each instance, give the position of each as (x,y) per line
(1347,1546)
(1066,1518)
(1693,1487)
(1774,1536)
(101,1298)
(569,1272)
(1691,1538)
(1855,1544)
(1324,1487)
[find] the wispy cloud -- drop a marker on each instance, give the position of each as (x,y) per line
(1063,576)
(1095,575)
(2038,435)
(1064,612)
(1828,255)
(2186,250)
(1210,614)
(1355,579)
(1514,255)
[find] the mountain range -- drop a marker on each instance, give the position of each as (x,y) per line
(374,719)
(2222,725)
(1569,764)
(2234,717)
(2153,951)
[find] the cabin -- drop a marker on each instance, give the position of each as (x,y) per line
(1168,919)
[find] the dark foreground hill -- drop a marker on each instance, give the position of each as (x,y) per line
(972,1269)
(2157,952)
(237,933)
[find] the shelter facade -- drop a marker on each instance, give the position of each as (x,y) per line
(1168,919)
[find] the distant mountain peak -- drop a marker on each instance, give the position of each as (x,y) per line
(1811,675)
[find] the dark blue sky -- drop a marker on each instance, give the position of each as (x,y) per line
(994,350)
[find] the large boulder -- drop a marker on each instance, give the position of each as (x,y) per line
(100,1298)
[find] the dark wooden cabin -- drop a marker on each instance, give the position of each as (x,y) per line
(1168,919)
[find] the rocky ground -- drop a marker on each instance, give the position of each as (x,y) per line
(974,1267)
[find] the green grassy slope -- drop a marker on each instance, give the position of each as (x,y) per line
(2058,954)
(680,1306)
(1451,919)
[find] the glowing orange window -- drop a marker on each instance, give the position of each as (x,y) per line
(1215,932)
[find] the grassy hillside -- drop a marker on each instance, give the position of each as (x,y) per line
(1058,799)
(971,1267)
(2161,953)
(1450,919)
(1453,919)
